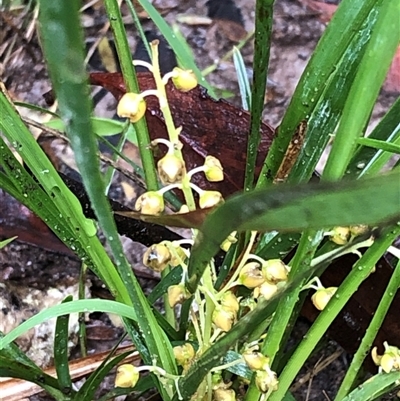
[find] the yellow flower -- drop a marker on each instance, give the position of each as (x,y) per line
(213,169)
(390,360)
(184,80)
(322,296)
(266,380)
(340,235)
(224,394)
(275,271)
(157,257)
(177,294)
(223,318)
(127,376)
(132,106)
(256,360)
(230,302)
(210,199)
(267,290)
(184,354)
(251,276)
(170,169)
(150,202)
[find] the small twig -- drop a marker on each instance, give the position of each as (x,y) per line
(103,158)
(317,368)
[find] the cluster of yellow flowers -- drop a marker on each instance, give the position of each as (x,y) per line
(266,380)
(264,277)
(171,167)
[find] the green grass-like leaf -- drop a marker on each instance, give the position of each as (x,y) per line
(66,64)
(344,26)
(61,340)
(296,208)
(374,387)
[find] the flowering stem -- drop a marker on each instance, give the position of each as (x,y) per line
(210,306)
(243,261)
(173,132)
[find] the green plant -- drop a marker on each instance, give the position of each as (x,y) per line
(216,347)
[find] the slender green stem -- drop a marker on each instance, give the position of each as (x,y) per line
(380,145)
(173,132)
(209,309)
(372,331)
(139,27)
(169,312)
(82,323)
(279,329)
(263,29)
(131,84)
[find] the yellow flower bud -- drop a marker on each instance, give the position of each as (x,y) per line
(229,241)
(180,254)
(157,257)
(267,290)
(213,169)
(266,380)
(223,318)
(184,354)
(184,80)
(127,376)
(274,271)
(358,229)
(387,363)
(322,296)
(340,235)
(256,360)
(251,276)
(390,360)
(184,209)
(224,394)
(210,199)
(132,106)
(230,302)
(170,169)
(150,202)
(177,294)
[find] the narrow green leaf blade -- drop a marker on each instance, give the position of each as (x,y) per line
(61,340)
(295,208)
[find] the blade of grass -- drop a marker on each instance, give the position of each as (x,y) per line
(139,28)
(328,110)
(295,208)
(243,80)
(262,42)
(346,22)
(368,161)
(380,145)
(61,340)
(382,46)
(131,84)
(184,57)
(65,60)
(12,368)
(80,305)
(49,198)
